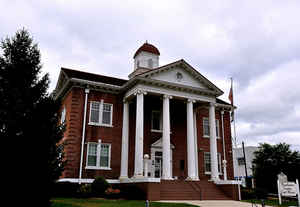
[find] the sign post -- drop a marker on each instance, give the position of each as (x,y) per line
(279,194)
(298,191)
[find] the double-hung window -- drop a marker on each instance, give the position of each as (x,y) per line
(241,161)
(156,121)
(207,163)
(206,130)
(101,113)
(98,156)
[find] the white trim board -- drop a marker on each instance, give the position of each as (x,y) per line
(113,181)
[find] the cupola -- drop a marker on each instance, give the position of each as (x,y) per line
(145,59)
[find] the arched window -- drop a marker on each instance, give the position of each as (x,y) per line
(150,63)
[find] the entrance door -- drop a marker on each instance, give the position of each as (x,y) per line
(158,164)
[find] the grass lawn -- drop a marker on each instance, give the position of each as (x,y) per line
(94,202)
(274,202)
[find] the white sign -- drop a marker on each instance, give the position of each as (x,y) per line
(288,189)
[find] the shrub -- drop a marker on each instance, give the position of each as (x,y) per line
(261,193)
(132,192)
(99,186)
(65,189)
(112,193)
(247,194)
(84,191)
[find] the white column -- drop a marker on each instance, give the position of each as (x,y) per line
(224,147)
(139,135)
(196,146)
(166,172)
(125,134)
(190,141)
(213,143)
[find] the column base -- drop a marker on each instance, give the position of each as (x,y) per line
(123,178)
(167,178)
(138,177)
(214,179)
(192,179)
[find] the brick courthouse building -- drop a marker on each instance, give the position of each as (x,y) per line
(163,130)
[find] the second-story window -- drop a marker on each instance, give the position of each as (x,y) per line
(206,129)
(101,113)
(156,121)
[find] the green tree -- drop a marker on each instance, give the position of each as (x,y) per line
(270,160)
(29,121)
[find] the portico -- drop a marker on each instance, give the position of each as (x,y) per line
(137,97)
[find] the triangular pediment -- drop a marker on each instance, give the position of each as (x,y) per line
(181,73)
(158,144)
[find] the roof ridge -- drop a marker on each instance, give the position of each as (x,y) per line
(80,71)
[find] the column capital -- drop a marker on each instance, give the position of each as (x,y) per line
(191,100)
(167,96)
(212,104)
(87,90)
(140,91)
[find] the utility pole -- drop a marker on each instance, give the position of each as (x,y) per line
(245,164)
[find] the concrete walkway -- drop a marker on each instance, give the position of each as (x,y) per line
(221,203)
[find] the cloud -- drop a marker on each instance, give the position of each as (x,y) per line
(255,42)
(270,105)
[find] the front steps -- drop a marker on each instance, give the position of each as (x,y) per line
(190,190)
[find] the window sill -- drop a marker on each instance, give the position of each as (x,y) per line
(208,137)
(97,168)
(97,124)
(209,173)
(158,131)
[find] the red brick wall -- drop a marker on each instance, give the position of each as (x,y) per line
(74,102)
(203,142)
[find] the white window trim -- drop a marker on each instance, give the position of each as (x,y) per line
(98,167)
(101,114)
(217,128)
(219,165)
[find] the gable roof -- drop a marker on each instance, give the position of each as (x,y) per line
(93,77)
(117,85)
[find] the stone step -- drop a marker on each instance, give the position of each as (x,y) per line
(190,190)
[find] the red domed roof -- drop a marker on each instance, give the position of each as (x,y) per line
(146,47)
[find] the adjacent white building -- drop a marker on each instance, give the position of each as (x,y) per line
(239,162)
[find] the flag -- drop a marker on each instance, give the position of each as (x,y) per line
(230,97)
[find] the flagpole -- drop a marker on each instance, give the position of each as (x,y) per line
(233,115)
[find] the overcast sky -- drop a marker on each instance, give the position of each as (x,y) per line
(257,42)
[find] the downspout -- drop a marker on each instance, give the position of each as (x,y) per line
(83,133)
(224,156)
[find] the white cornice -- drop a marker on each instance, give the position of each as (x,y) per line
(167,91)
(95,83)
